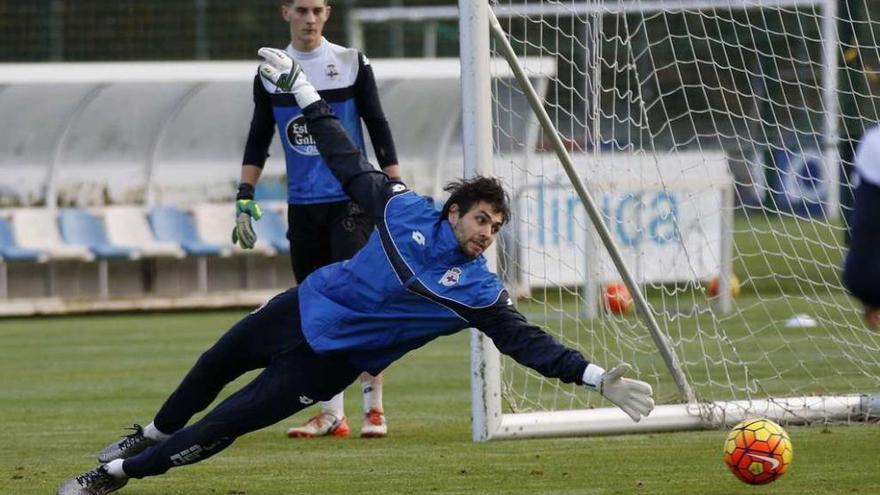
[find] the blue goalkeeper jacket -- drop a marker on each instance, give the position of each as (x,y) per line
(411,283)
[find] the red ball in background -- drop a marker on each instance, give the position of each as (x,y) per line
(617,299)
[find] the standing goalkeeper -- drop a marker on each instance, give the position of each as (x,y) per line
(325,226)
(420,276)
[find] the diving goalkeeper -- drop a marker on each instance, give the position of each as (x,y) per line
(421,274)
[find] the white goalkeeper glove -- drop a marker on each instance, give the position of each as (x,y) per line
(287,76)
(631,396)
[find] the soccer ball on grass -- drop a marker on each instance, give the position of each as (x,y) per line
(757,451)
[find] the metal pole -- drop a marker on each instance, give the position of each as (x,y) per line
(592,25)
(830,152)
(202,51)
(476,90)
(51,186)
(355,29)
(660,340)
(151,196)
(724,299)
(56,30)
(395,35)
(476,97)
(429,40)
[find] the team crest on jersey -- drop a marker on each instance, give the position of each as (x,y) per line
(331,71)
(299,138)
(451,276)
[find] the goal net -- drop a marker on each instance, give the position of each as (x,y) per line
(706,133)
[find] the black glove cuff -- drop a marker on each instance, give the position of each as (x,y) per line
(245,191)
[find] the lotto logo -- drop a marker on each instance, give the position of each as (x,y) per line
(192,454)
(187,456)
(418,237)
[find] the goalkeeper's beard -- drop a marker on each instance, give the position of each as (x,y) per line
(472,246)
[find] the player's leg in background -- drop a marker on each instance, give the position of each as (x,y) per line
(310,249)
(374,425)
(351,230)
(295,379)
(309,236)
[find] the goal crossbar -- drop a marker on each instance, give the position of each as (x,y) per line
(370,15)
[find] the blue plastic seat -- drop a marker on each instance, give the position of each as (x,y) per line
(80,227)
(9,248)
(270,228)
(271,190)
(173,224)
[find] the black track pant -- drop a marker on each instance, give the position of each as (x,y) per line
(861,274)
(325,233)
(294,377)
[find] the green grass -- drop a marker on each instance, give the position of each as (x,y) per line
(70,384)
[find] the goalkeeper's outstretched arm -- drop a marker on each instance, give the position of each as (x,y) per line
(530,346)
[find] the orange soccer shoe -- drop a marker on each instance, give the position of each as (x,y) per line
(374,424)
(322,425)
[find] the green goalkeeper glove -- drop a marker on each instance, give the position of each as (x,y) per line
(245,209)
(631,396)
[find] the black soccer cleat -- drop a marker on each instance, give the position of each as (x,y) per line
(131,445)
(95,482)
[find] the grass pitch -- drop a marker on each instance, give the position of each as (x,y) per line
(69,386)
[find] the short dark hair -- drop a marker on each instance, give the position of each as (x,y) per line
(467,192)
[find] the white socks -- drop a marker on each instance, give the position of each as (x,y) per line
(152,433)
(371,386)
(335,406)
(114,467)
